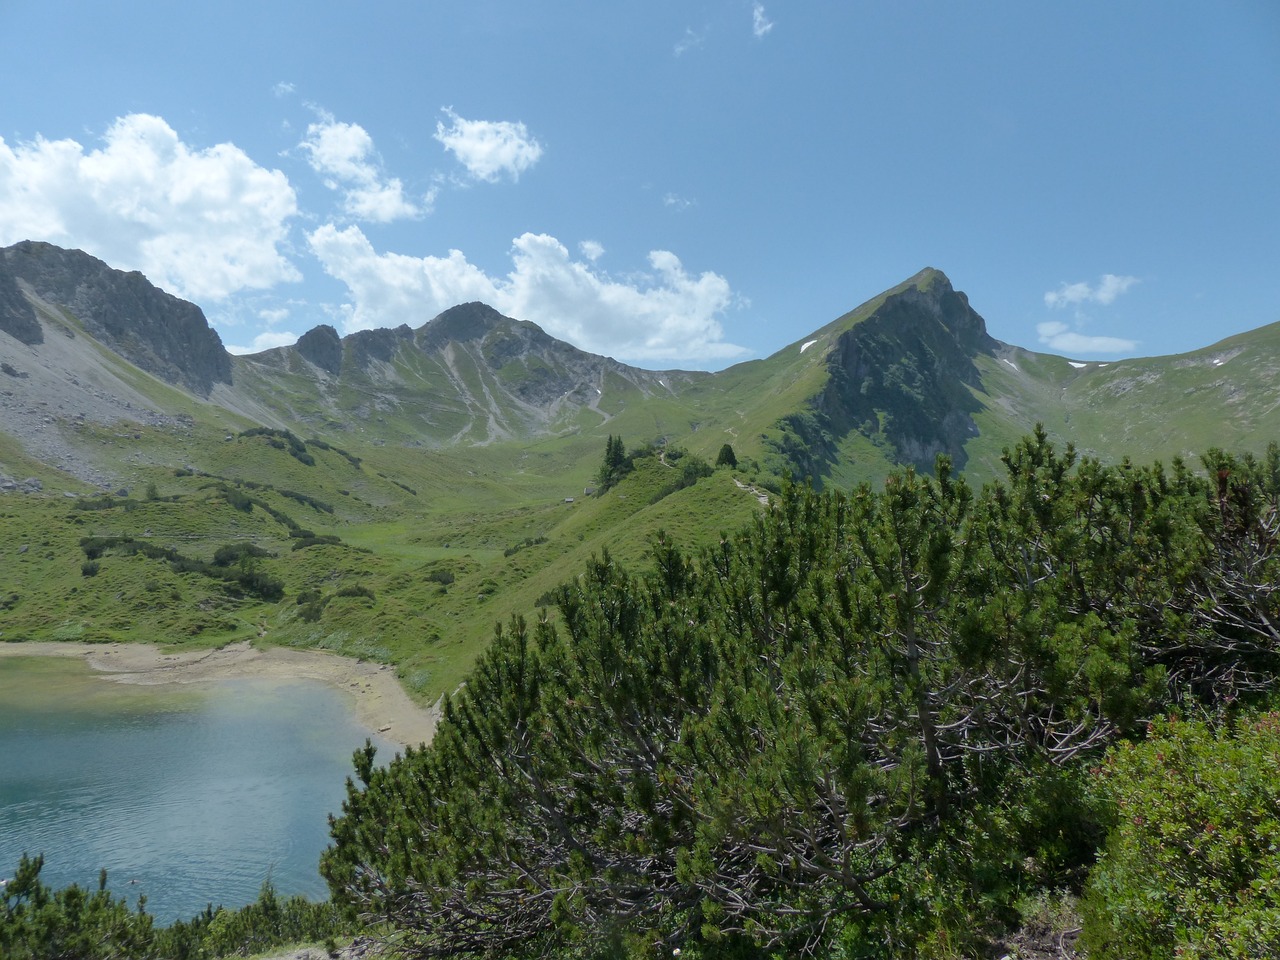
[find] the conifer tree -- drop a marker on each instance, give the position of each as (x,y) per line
(615,463)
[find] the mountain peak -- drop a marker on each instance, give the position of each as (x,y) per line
(156,331)
(322,346)
(901,371)
(927,277)
(931,291)
(466,321)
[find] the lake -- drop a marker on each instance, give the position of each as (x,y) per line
(189,794)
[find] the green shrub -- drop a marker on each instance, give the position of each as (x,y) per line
(40,923)
(306,499)
(1192,864)
(238,499)
(231,553)
(37,922)
(527,542)
(312,611)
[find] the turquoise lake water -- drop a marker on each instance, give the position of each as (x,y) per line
(189,794)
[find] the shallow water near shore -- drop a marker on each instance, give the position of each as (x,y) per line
(188,794)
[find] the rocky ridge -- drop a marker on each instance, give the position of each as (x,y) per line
(907,372)
(155,331)
(908,375)
(469,375)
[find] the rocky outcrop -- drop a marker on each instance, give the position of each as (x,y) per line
(10,485)
(903,376)
(469,375)
(460,324)
(154,330)
(323,347)
(533,366)
(17,316)
(379,345)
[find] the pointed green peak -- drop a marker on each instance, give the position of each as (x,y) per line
(928,279)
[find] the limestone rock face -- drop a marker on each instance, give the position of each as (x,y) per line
(17,316)
(381,344)
(322,346)
(904,377)
(154,330)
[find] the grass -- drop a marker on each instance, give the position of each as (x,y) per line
(419,582)
(429,527)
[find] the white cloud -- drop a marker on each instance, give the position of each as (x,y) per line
(677,202)
(265,341)
(274,315)
(343,154)
(283,89)
(1109,287)
(1058,336)
(760,24)
(489,149)
(591,249)
(201,223)
(390,289)
(1112,286)
(665,313)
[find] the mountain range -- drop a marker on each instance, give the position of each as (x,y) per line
(903,377)
(460,450)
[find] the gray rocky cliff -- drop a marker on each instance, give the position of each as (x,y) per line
(906,374)
(905,377)
(156,331)
(17,316)
(323,347)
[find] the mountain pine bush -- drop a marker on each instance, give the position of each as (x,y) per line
(860,724)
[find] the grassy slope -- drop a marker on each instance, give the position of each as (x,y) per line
(1226,395)
(450,540)
(504,538)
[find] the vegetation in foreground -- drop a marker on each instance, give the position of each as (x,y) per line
(890,724)
(37,923)
(874,725)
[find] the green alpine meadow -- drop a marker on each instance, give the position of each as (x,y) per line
(901,642)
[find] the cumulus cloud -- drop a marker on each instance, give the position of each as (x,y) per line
(663,313)
(591,249)
(677,202)
(343,154)
(1105,292)
(489,149)
(274,315)
(760,24)
(264,341)
(1061,338)
(201,223)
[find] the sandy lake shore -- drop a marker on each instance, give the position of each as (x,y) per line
(380,701)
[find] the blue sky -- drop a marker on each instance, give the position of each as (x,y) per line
(677,183)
